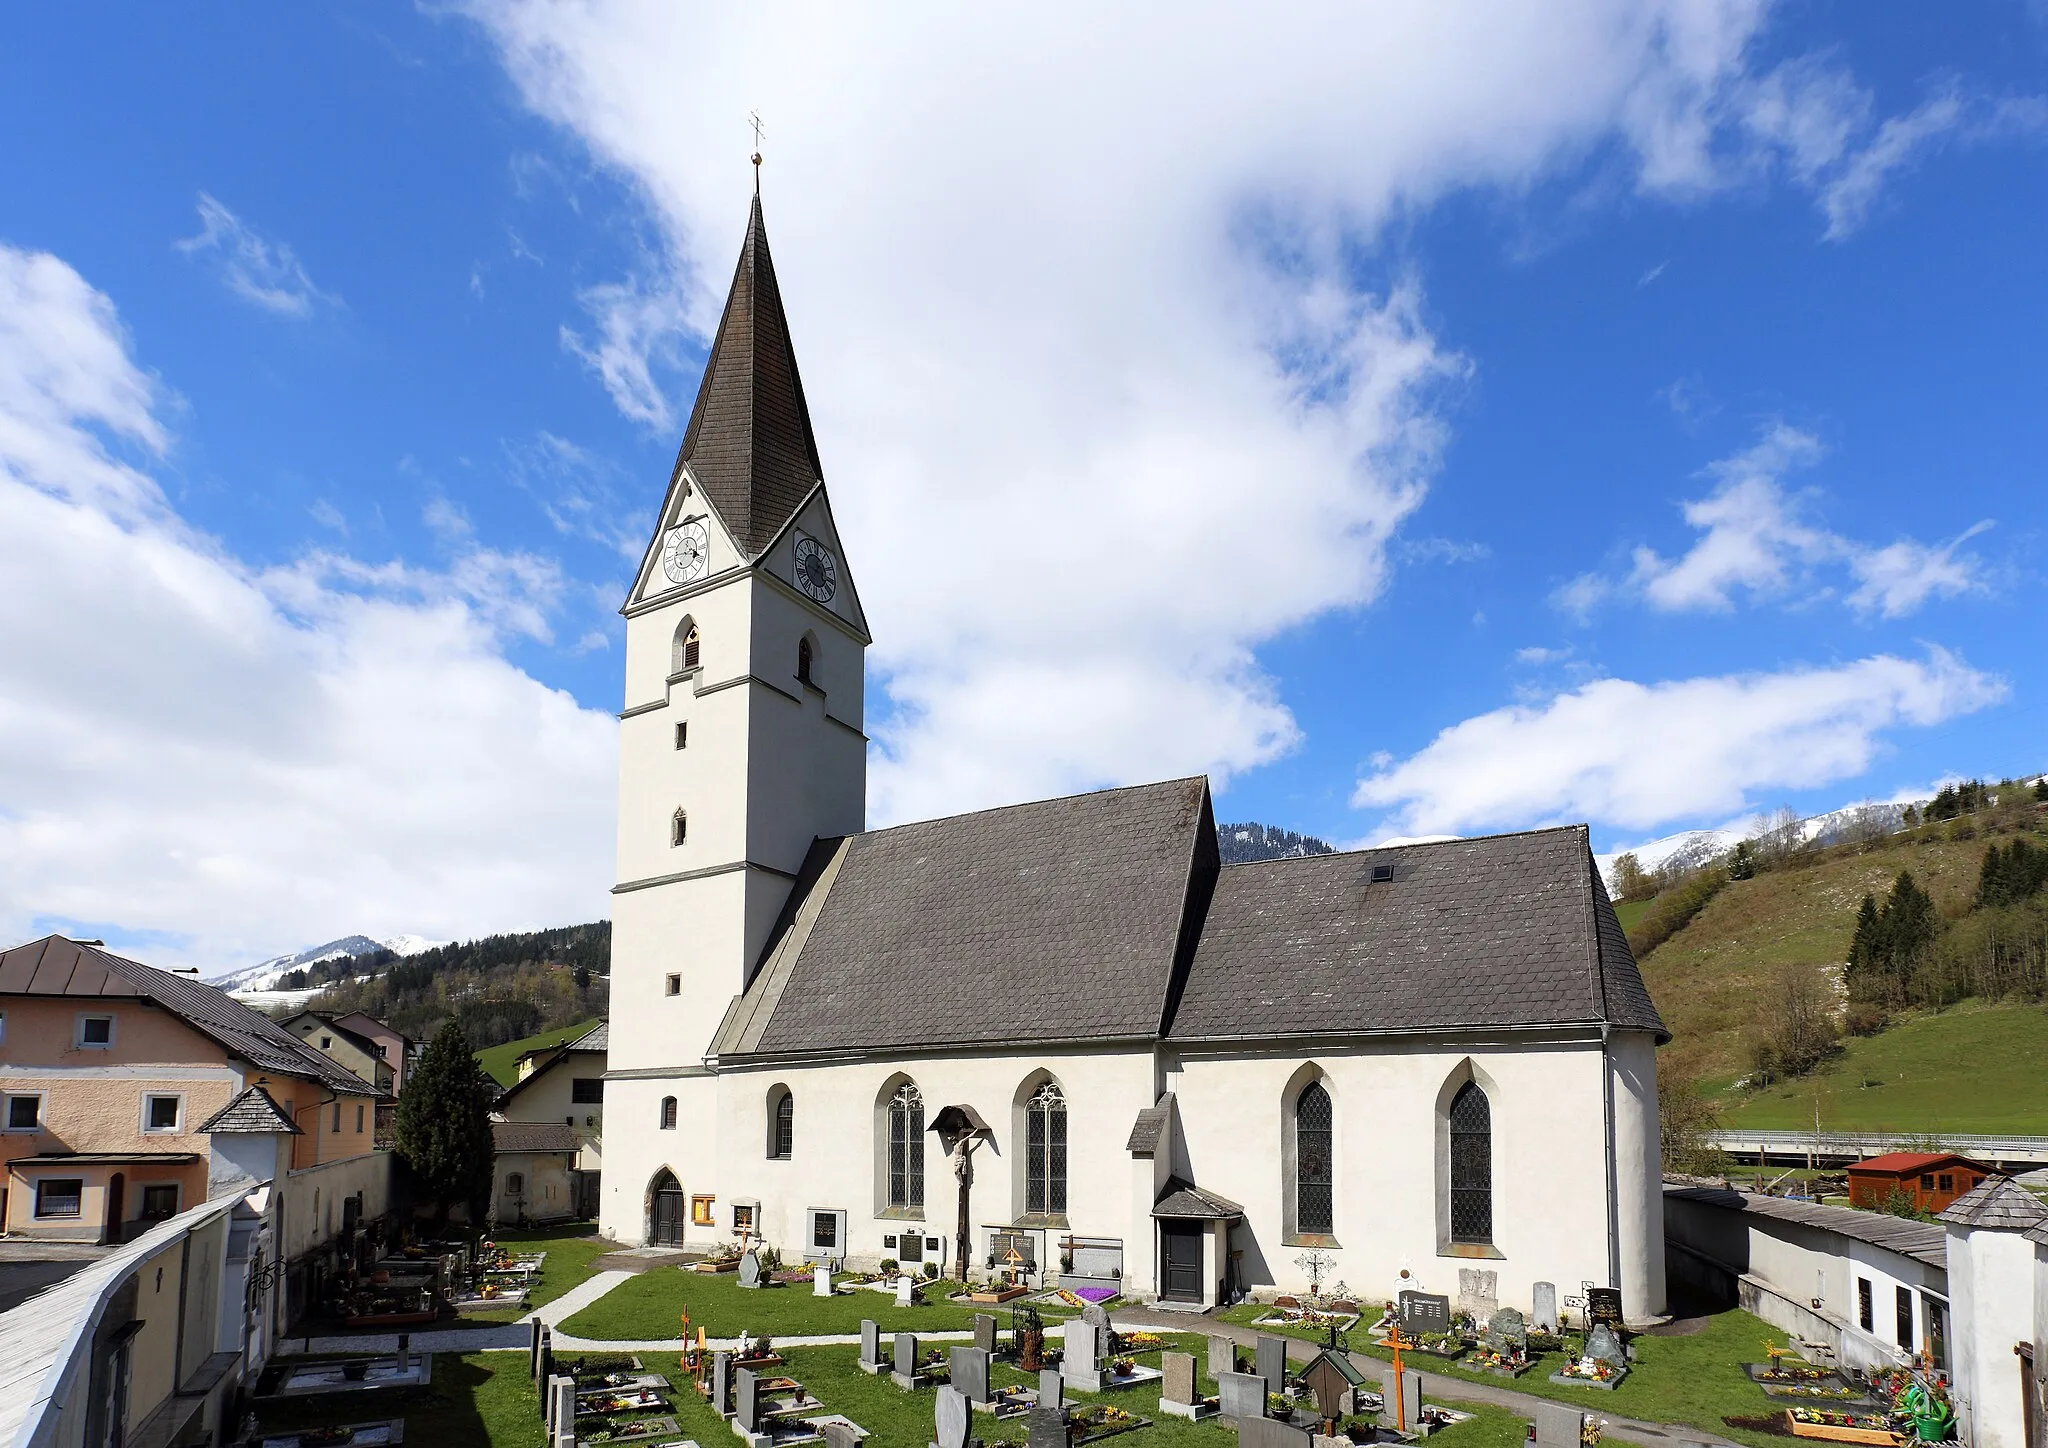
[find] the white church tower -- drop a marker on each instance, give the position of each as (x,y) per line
(741,738)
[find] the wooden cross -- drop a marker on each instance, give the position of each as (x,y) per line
(1396,1342)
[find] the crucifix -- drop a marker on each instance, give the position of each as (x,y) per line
(960,1129)
(754,120)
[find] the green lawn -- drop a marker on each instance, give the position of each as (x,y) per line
(503,1061)
(647,1309)
(571,1251)
(895,1417)
(1910,1078)
(1630,911)
(474,1399)
(1697,1380)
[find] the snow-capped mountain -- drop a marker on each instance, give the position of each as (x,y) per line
(264,976)
(1867,819)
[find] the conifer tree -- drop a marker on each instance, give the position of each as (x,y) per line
(444,1125)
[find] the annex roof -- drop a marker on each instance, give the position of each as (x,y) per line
(749,443)
(533,1136)
(596,1040)
(1188,1202)
(254,1110)
(1505,930)
(104,1158)
(1922,1241)
(1150,1127)
(1997,1202)
(57,966)
(1057,920)
(1900,1163)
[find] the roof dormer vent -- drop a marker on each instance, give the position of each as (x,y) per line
(1382,874)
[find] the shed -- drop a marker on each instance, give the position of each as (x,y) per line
(1931,1179)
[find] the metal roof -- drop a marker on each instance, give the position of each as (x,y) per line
(1900,1162)
(105,1158)
(1922,1241)
(56,966)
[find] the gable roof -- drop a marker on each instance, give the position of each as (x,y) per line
(1505,930)
(749,443)
(56,966)
(355,1038)
(254,1110)
(1057,920)
(534,1136)
(1922,1241)
(1996,1202)
(1907,1162)
(596,1040)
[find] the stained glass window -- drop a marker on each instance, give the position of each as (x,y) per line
(1471,1165)
(906,1147)
(1045,1152)
(1313,1197)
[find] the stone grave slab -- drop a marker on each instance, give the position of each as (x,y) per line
(821,1281)
(1180,1391)
(1051,1389)
(1424,1312)
(1272,1363)
(1544,1316)
(970,1374)
(951,1416)
(1081,1358)
(721,1383)
(746,1400)
(1558,1425)
(1410,1390)
(1478,1291)
(1046,1428)
(1222,1356)
(841,1435)
(870,1360)
(984,1332)
(906,1289)
(1270,1433)
(1241,1396)
(904,1358)
(750,1270)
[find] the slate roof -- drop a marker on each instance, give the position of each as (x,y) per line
(533,1136)
(1506,930)
(1106,916)
(56,966)
(1057,920)
(254,1110)
(598,1039)
(749,443)
(1185,1200)
(1922,1241)
(1150,1128)
(1997,1202)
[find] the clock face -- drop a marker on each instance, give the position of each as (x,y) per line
(685,553)
(816,572)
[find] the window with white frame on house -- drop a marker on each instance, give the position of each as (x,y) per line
(95,1030)
(60,1197)
(160,1202)
(25,1113)
(161,1112)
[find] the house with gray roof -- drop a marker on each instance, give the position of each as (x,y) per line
(1061,1037)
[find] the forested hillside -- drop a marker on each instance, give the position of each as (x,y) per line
(502,987)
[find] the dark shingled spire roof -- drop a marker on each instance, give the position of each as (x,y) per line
(749,442)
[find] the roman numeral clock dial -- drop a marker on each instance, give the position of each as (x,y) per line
(817,574)
(685,553)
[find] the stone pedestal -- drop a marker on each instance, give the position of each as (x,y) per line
(821,1281)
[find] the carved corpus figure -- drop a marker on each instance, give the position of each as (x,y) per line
(960,1129)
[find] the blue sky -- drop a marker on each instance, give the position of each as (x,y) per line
(1469,424)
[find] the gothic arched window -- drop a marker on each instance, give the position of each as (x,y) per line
(803,659)
(1314,1206)
(906,1147)
(1045,1152)
(678,828)
(688,647)
(1471,1165)
(668,1113)
(781,1124)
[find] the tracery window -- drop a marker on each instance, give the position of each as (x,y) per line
(1314,1204)
(782,1140)
(1045,1152)
(1471,1165)
(906,1147)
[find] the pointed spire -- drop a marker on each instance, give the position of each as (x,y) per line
(749,442)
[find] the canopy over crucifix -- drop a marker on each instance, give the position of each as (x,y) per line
(960,1129)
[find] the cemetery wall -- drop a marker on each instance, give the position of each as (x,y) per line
(1390,1146)
(1990,1275)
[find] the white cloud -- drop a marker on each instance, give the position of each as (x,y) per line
(230,762)
(265,272)
(1756,541)
(1634,756)
(1850,194)
(1102,404)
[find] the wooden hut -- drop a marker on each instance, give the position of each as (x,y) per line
(1931,1179)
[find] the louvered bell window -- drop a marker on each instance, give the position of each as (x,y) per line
(1313,1196)
(1045,1153)
(1471,1165)
(906,1148)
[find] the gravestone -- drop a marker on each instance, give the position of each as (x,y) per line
(1478,1291)
(746,1400)
(950,1417)
(1425,1312)
(547,1361)
(1604,1347)
(871,1346)
(1222,1356)
(1081,1357)
(1052,1389)
(1270,1433)
(1046,1428)
(1272,1363)
(750,1270)
(1097,1317)
(905,1358)
(1507,1330)
(984,1332)
(560,1403)
(1603,1304)
(906,1285)
(1544,1318)
(1558,1425)
(721,1383)
(970,1373)
(821,1281)
(1409,1395)
(535,1333)
(841,1435)
(1241,1396)
(1178,1393)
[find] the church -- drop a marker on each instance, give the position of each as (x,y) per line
(1060,1037)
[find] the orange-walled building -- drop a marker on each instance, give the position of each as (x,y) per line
(110,1073)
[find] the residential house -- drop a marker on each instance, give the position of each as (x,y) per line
(1930,1180)
(111,1072)
(551,1174)
(375,1051)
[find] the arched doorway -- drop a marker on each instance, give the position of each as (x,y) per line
(666,1208)
(117,1192)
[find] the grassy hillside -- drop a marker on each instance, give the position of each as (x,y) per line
(503,1061)
(1910,1078)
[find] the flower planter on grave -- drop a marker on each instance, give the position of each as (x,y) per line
(1837,1427)
(1572,1375)
(637,1431)
(1096,1422)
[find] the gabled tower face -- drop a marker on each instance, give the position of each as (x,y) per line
(741,739)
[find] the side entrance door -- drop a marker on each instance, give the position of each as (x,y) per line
(669,1209)
(1180,1245)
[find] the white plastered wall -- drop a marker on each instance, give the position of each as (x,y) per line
(1638,1171)
(1991,1295)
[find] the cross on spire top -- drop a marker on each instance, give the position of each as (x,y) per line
(754,120)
